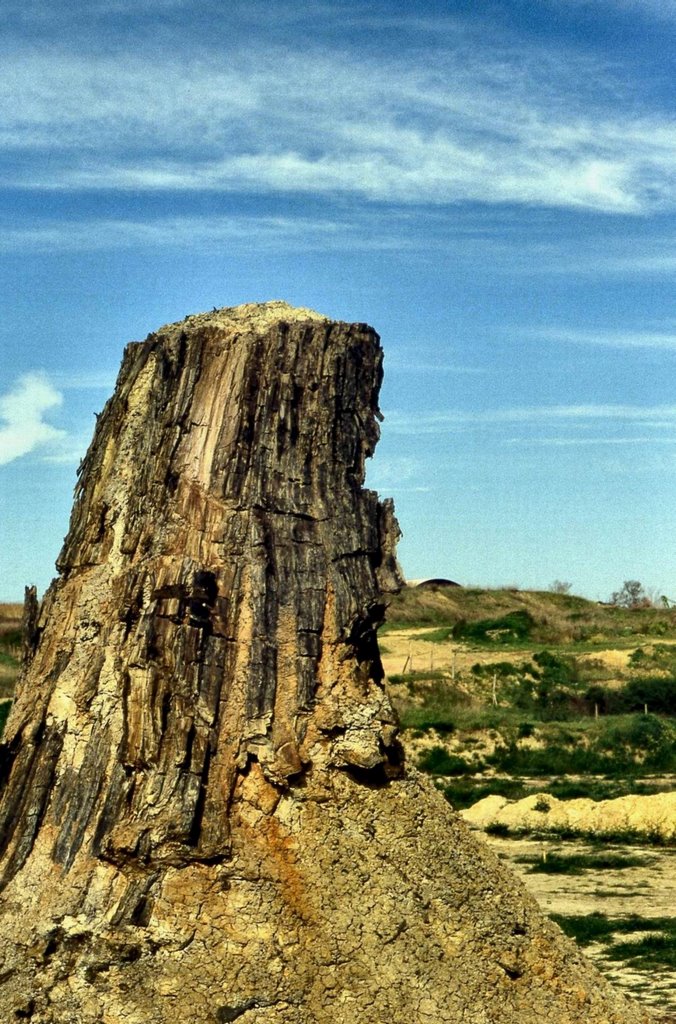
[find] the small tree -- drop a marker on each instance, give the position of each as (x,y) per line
(560,587)
(632,595)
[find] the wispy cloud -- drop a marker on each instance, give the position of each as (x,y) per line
(656,416)
(496,127)
(576,442)
(607,338)
(23,428)
(205,234)
(662,10)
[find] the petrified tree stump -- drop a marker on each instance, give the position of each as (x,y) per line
(204,812)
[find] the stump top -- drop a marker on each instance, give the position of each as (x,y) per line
(252,315)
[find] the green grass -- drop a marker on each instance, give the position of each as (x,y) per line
(462,793)
(652,951)
(577,863)
(438,761)
(617,836)
(593,788)
(624,745)
(596,927)
(657,950)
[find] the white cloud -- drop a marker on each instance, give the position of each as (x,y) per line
(608,339)
(498,126)
(22,425)
(206,234)
(656,417)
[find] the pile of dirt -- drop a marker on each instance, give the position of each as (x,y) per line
(653,817)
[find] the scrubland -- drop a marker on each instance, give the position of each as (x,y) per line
(548,721)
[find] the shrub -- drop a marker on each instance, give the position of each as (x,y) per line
(438,761)
(645,738)
(658,694)
(497,828)
(515,625)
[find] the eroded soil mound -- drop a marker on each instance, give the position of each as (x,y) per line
(652,817)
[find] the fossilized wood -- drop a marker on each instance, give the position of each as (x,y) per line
(204,812)
(219,589)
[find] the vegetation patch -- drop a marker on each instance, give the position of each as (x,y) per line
(656,950)
(438,761)
(515,626)
(625,745)
(577,863)
(656,694)
(649,951)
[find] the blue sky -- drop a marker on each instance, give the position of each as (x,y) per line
(491,185)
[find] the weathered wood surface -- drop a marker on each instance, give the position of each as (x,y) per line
(220,587)
(204,812)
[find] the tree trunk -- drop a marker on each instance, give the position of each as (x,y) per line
(203,812)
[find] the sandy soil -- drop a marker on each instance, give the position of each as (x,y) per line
(653,815)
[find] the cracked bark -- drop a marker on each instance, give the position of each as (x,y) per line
(203,811)
(221,549)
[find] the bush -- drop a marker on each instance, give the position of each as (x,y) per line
(557,760)
(503,669)
(516,625)
(438,761)
(659,694)
(645,738)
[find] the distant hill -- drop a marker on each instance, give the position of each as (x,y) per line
(511,615)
